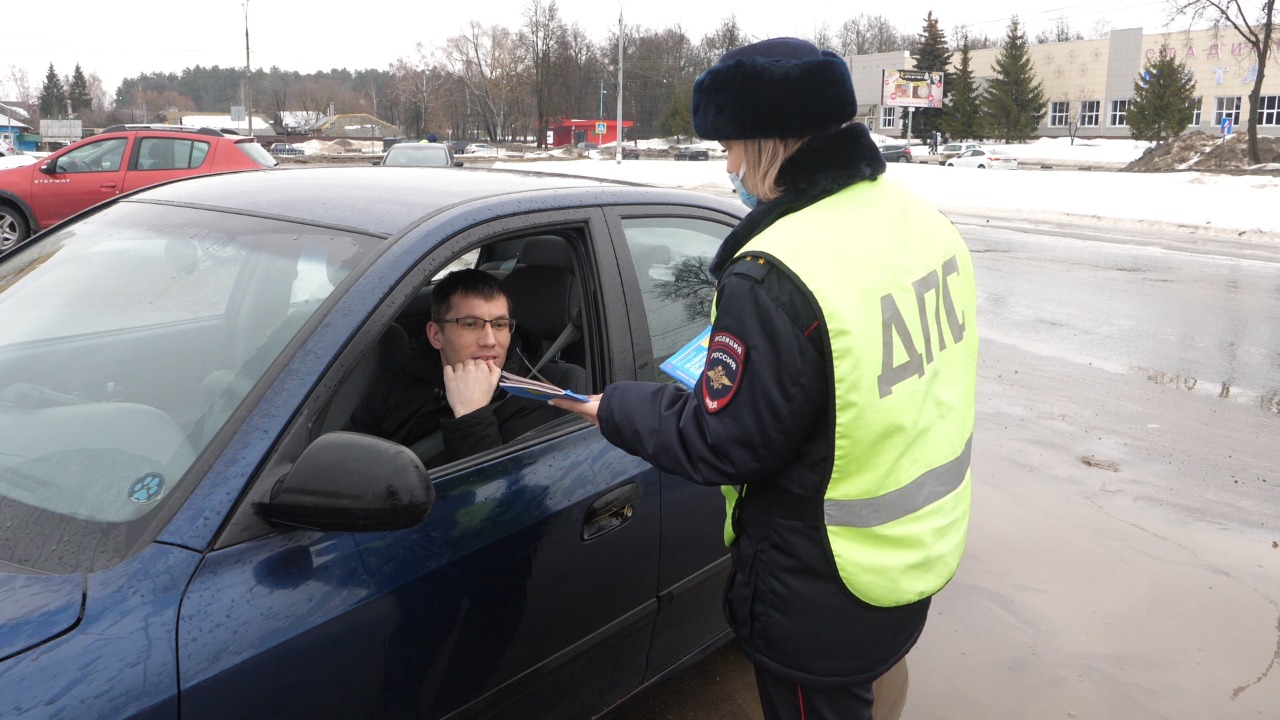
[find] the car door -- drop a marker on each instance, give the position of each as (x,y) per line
(529,590)
(158,158)
(78,179)
(665,253)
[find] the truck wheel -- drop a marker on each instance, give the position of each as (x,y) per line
(13,227)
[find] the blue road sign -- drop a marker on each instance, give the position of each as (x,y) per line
(1226,125)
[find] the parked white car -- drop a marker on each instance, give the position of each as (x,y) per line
(951,150)
(983,158)
(480,149)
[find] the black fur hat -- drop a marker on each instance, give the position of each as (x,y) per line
(778,88)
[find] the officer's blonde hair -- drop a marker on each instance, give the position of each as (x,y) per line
(763,158)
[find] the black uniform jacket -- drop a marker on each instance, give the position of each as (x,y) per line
(409,403)
(775,434)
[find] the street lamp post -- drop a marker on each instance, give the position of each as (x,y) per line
(248,72)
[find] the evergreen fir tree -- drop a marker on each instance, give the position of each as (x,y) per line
(78,92)
(932,55)
(53,97)
(1161,104)
(678,120)
(962,116)
(1014,101)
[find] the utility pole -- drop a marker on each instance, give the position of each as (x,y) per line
(248,72)
(617,146)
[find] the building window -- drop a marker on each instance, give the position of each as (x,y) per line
(1058,112)
(1269,110)
(1227,107)
(1119,108)
(1195,105)
(888,117)
(1089,113)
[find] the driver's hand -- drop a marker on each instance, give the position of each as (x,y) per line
(470,385)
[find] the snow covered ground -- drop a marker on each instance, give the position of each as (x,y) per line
(1210,203)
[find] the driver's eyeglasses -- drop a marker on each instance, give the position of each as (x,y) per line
(475,324)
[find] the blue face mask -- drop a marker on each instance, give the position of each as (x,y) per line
(736,179)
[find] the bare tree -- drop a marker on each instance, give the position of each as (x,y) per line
(867,34)
(21,84)
(823,37)
(724,38)
(977,40)
(1254,27)
(486,61)
(1059,31)
(543,35)
(416,89)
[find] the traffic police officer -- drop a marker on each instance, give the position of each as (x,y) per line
(836,406)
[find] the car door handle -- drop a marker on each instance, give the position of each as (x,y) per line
(610,511)
(111,185)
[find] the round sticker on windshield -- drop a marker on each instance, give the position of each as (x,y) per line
(146,488)
(723,372)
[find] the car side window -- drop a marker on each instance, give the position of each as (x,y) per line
(103,156)
(671,258)
(170,153)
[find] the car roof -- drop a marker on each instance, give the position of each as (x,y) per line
(384,201)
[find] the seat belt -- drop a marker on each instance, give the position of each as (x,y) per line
(568,335)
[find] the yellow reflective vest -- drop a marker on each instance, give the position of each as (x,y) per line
(894,283)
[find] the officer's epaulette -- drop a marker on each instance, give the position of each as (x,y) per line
(752,266)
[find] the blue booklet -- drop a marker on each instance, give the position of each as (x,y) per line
(687,363)
(534,390)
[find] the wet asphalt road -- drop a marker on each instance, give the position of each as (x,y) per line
(1101,324)
(1208,324)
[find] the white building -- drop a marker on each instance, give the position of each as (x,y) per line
(1090,82)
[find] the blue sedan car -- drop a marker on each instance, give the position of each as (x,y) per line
(186,531)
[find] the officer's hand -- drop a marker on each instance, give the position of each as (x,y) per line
(587,410)
(470,385)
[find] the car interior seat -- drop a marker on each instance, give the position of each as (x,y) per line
(389,351)
(153,156)
(546,303)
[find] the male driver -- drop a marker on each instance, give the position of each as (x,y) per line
(445,404)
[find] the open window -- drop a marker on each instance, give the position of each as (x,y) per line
(540,271)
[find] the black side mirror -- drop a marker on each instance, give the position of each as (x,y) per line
(349,482)
(47,167)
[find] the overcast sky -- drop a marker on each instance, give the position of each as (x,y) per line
(116,41)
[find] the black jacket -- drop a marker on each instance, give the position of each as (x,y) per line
(775,434)
(409,403)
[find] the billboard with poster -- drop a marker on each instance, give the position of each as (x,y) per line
(912,88)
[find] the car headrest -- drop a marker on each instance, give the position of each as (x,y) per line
(547,250)
(544,300)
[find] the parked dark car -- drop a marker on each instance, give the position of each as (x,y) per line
(630,152)
(419,154)
(189,532)
(896,153)
(286,149)
(457,147)
(687,153)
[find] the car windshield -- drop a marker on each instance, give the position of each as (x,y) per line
(417,155)
(128,340)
